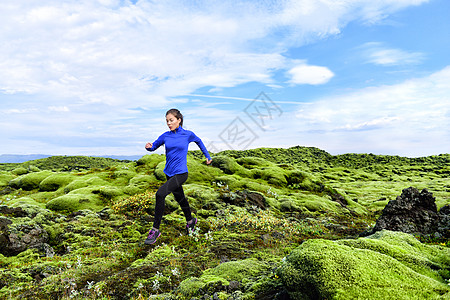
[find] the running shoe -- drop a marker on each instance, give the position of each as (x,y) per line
(152,236)
(191,226)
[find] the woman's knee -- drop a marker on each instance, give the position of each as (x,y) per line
(160,196)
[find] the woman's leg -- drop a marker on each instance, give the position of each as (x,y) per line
(184,204)
(170,186)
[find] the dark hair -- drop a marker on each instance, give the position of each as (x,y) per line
(177,114)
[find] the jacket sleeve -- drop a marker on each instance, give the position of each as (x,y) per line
(198,141)
(156,144)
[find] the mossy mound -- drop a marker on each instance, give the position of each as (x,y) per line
(151,160)
(218,278)
(200,172)
(388,265)
(25,201)
(5,178)
(229,166)
(55,181)
(29,181)
(70,163)
(19,171)
(85,181)
(79,199)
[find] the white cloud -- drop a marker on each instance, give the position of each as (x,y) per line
(307,74)
(411,118)
(378,54)
(59,109)
(77,68)
(103,51)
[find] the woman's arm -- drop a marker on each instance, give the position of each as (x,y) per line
(156,144)
(202,147)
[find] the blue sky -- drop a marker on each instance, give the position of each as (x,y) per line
(96,77)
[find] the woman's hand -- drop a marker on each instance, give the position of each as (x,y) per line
(208,161)
(148,146)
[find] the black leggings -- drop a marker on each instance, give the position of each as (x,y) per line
(172,185)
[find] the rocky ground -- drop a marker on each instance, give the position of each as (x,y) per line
(292,223)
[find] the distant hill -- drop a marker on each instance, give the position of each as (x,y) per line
(17,158)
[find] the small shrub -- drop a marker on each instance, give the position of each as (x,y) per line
(135,205)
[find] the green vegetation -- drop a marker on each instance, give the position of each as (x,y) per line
(387,265)
(271,222)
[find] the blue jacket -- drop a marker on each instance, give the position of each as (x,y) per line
(177,143)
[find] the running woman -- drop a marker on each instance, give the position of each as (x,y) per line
(176,142)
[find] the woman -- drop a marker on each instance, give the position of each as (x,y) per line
(176,142)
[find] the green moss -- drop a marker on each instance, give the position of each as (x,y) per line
(32,168)
(12,280)
(199,171)
(24,201)
(200,195)
(29,181)
(273,175)
(159,253)
(122,177)
(55,181)
(69,163)
(5,178)
(222,275)
(142,181)
(85,181)
(229,166)
(251,162)
(159,171)
(131,190)
(150,160)
(110,192)
(19,171)
(333,270)
(424,259)
(82,198)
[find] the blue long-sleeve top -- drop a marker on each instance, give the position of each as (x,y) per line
(177,143)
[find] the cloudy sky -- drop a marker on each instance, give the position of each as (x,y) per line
(95,77)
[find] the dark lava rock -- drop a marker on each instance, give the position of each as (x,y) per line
(22,237)
(244,198)
(13,211)
(414,212)
(35,237)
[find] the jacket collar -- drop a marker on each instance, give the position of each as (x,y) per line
(179,129)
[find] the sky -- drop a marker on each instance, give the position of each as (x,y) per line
(96,77)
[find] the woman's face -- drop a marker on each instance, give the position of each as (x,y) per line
(172,122)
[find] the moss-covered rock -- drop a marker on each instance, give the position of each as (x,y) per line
(200,195)
(85,181)
(19,171)
(251,162)
(216,279)
(29,181)
(273,175)
(151,160)
(122,177)
(229,166)
(55,181)
(110,192)
(159,171)
(5,178)
(376,267)
(25,201)
(142,181)
(83,198)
